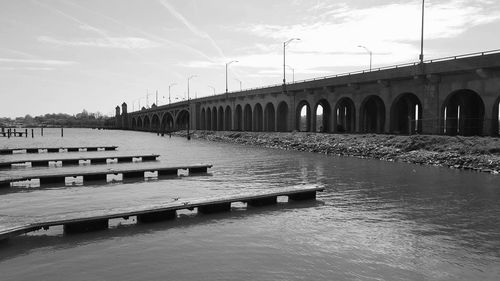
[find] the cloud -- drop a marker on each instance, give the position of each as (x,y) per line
(151,36)
(83,25)
(36,61)
(392,29)
(27,68)
(108,42)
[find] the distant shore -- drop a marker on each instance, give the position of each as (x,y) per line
(470,153)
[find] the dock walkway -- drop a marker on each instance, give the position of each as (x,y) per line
(101,175)
(76,161)
(168,211)
(56,149)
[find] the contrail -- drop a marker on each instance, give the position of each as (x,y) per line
(191,27)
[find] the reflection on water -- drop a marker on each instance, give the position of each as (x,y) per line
(376,220)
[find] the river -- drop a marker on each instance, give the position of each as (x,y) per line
(375,220)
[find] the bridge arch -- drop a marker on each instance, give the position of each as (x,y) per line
(220,119)
(155,123)
(203,124)
(134,123)
(209,119)
(303,117)
(182,120)
(247,118)
(258,118)
(372,116)
(496,118)
(238,118)
(146,124)
(227,119)
(214,119)
(269,118)
(139,123)
(321,116)
(282,117)
(345,116)
(167,122)
(406,114)
(463,113)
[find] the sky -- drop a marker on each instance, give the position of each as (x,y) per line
(69,55)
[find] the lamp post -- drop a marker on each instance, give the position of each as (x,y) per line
(189,109)
(422,35)
(170,86)
(227,64)
(240,83)
(369,52)
(284,58)
(212,89)
(293,73)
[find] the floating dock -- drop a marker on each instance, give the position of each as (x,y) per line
(76,161)
(168,211)
(13,134)
(101,176)
(5,151)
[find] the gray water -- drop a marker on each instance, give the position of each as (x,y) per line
(375,221)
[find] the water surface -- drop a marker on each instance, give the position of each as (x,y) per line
(375,221)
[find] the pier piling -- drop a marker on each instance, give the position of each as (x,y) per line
(302,196)
(86,226)
(214,208)
(266,201)
(157,216)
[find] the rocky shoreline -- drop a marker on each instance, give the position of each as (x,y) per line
(471,153)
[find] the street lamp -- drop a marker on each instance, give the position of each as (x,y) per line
(422,35)
(212,89)
(293,73)
(170,86)
(284,59)
(240,83)
(189,109)
(227,64)
(369,52)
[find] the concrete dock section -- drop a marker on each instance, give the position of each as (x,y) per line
(168,211)
(6,151)
(77,160)
(100,175)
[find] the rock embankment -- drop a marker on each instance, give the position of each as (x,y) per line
(473,153)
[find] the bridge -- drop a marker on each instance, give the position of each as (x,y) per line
(457,95)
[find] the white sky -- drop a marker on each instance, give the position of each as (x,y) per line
(67,55)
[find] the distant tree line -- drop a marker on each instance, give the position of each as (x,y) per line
(83,120)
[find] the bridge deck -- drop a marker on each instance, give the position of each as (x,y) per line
(76,161)
(100,175)
(57,149)
(168,211)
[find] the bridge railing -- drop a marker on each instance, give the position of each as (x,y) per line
(450,58)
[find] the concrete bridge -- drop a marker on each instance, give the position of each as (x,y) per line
(454,96)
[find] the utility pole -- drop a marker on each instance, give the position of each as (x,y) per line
(189,108)
(284,60)
(170,86)
(422,34)
(227,64)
